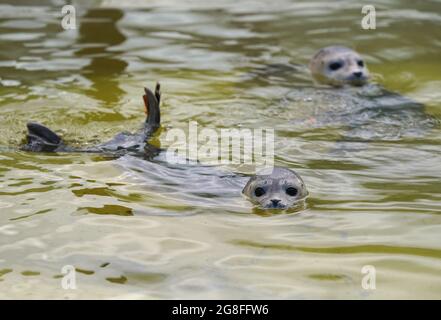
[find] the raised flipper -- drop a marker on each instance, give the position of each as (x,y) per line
(41,139)
(151,103)
(138,143)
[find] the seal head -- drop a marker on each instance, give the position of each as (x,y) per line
(337,66)
(277,188)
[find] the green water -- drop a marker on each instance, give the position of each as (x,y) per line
(136,229)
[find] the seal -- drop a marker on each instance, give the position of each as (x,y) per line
(279,188)
(364,111)
(338,66)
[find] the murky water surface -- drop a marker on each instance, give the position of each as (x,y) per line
(140,229)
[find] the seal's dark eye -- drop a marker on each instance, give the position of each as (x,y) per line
(291,191)
(258,192)
(360,63)
(335,66)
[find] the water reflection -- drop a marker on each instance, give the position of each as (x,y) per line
(98,32)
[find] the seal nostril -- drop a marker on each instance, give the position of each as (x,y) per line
(358,74)
(275,201)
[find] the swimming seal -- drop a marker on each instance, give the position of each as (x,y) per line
(279,189)
(366,111)
(337,66)
(276,188)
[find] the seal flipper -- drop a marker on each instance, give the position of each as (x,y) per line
(151,103)
(41,139)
